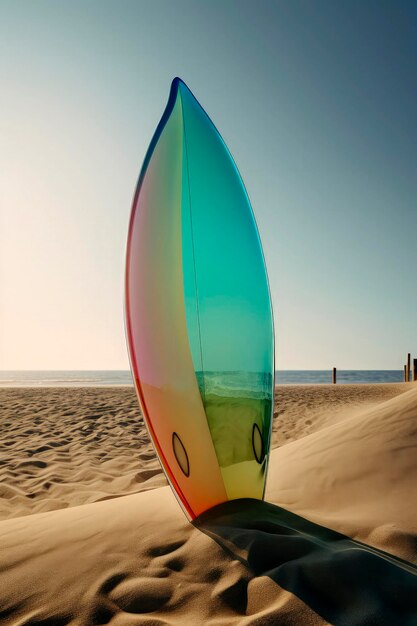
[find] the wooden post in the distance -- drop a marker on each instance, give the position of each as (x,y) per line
(334,376)
(405,373)
(415,370)
(408,367)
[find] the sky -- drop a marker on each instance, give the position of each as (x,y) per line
(317,103)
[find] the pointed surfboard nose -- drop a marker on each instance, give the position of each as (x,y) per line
(198,313)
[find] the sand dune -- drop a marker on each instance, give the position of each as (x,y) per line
(136,560)
(358,476)
(303,409)
(131,560)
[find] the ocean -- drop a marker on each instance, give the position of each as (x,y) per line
(102,378)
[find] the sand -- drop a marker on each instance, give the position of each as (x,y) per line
(303,409)
(347,474)
(65,446)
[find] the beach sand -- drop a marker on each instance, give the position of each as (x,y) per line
(344,468)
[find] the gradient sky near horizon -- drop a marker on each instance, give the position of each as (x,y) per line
(317,102)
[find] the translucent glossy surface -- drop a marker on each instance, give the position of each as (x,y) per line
(198,313)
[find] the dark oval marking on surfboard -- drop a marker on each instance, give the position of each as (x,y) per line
(257,444)
(180,454)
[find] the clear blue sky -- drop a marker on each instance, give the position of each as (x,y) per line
(317,102)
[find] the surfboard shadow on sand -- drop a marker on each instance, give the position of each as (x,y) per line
(346,582)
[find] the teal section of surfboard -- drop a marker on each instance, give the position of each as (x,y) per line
(228,307)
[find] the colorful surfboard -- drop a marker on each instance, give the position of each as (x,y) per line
(198,313)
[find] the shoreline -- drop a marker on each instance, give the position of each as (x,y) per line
(131,385)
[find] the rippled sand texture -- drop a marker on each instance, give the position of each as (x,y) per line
(62,447)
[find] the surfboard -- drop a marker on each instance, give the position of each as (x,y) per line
(198,313)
